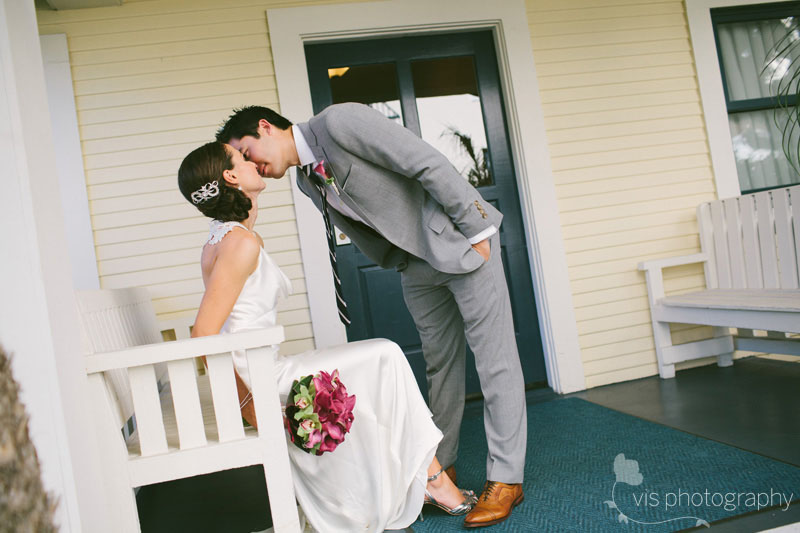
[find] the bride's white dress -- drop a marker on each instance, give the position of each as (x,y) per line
(375,479)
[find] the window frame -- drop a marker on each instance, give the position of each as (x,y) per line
(749,12)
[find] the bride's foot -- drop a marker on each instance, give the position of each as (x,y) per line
(443,493)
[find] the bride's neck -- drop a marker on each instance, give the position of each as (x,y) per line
(250,221)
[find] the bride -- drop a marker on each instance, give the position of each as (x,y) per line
(382,474)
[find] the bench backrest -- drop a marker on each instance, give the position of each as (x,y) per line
(113,320)
(753,241)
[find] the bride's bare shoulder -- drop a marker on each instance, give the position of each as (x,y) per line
(258,238)
(238,246)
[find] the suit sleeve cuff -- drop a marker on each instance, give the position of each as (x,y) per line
(485,234)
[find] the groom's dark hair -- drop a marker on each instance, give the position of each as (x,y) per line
(244,121)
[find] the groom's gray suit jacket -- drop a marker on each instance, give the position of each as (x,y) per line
(401,186)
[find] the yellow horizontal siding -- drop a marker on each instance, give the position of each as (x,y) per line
(616,11)
(556,27)
(193,240)
(634,88)
(557,55)
(630,160)
(600,116)
(621,130)
(635,169)
(623,210)
(152,81)
(624,183)
(183,106)
(625,155)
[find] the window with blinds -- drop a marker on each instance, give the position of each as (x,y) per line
(757,56)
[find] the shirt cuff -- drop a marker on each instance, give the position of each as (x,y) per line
(485,234)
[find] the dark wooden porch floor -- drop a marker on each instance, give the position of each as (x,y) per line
(753,405)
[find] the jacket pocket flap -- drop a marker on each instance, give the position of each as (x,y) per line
(437,221)
(343,174)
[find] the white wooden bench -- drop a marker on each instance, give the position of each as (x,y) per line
(751,252)
(194,425)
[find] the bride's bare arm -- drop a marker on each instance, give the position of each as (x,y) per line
(236,258)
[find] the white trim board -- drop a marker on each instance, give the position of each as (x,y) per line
(712,94)
(69,161)
(291,28)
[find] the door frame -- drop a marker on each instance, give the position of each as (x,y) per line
(292,27)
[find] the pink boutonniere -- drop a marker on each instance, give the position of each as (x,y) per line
(320,169)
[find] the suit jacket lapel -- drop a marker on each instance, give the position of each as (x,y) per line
(319,153)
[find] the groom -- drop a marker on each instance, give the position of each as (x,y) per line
(406,207)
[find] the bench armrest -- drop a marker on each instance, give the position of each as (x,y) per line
(667,262)
(183,349)
(654,277)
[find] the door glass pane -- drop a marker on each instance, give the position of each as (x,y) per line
(374,85)
(450,115)
(747,49)
(757,145)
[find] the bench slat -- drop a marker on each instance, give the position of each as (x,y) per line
(147,406)
(758,299)
(183,349)
(729,318)
(186,400)
(723,260)
(226,399)
(178,464)
(783,229)
(794,195)
(755,280)
(733,233)
(787,262)
(706,229)
(766,239)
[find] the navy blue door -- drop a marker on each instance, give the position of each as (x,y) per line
(446,89)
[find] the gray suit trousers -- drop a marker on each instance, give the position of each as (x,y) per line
(449,309)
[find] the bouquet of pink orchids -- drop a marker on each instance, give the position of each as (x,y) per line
(319,412)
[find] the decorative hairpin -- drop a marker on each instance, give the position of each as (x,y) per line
(209,190)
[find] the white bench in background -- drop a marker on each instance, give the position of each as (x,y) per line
(751,252)
(195,427)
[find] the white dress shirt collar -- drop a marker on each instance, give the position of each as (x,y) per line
(304,152)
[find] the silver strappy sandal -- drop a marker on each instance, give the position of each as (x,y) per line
(470,499)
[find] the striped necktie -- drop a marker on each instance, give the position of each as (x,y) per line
(319,183)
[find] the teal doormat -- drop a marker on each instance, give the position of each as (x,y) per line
(589,468)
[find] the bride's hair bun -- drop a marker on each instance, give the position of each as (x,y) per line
(201,183)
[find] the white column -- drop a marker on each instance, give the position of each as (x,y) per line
(38,316)
(69,161)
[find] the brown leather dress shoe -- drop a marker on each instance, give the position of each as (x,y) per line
(451,473)
(495,504)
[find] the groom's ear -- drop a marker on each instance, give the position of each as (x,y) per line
(264,127)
